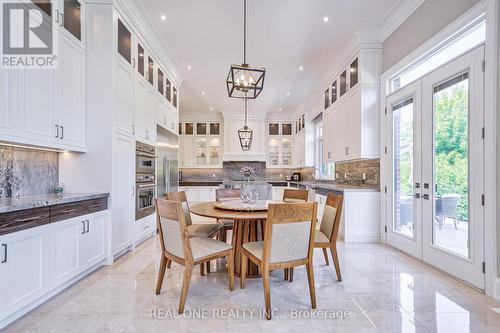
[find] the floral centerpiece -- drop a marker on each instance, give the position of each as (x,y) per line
(247,171)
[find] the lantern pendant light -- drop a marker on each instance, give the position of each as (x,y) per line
(245,134)
(244,81)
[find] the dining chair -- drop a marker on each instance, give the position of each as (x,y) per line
(288,242)
(178,246)
(290,195)
(222,194)
(209,230)
(326,236)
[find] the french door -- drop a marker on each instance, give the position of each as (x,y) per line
(436,154)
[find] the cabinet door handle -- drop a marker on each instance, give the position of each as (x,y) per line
(57,15)
(133,129)
(57,131)
(426,196)
(4,253)
(62,132)
(88,226)
(133,62)
(83,227)
(62,19)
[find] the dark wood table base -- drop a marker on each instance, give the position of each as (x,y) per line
(245,231)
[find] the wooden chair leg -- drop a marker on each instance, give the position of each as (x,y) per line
(325,254)
(169,263)
(230,269)
(335,256)
(267,291)
(243,270)
(202,269)
(161,274)
(290,278)
(208,267)
(285,273)
(188,269)
(310,280)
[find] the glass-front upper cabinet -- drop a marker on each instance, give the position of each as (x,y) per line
(168,89)
(44,5)
(151,66)
(189,128)
(124,42)
(334,91)
(72,21)
(140,59)
(286,129)
(327,98)
(286,152)
(201,152)
(215,152)
(274,152)
(174,97)
(343,83)
(201,128)
(160,81)
(274,129)
(214,128)
(353,73)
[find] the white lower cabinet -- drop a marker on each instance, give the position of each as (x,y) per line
(278,192)
(199,193)
(321,200)
(35,262)
(360,217)
(23,269)
(144,228)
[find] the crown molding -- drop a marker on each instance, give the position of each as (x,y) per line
(397,16)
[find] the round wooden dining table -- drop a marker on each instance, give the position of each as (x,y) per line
(248,227)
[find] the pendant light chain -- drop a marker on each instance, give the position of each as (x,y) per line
(245,32)
(246,110)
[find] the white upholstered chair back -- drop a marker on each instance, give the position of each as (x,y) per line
(172,228)
(290,241)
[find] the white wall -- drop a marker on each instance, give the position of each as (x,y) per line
(425,22)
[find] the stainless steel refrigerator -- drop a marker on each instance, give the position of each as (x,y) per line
(167,150)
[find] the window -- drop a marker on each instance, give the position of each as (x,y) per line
(467,39)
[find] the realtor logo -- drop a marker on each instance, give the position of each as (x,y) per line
(27,36)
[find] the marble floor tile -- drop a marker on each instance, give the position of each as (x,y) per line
(382,290)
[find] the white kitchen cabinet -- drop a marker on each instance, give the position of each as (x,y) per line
(360,225)
(71,91)
(23,270)
(199,193)
(123,191)
(278,192)
(8,102)
(321,200)
(300,149)
(123,105)
(94,240)
(66,244)
(186,151)
(144,228)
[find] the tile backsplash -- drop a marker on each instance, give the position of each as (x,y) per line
(28,171)
(351,172)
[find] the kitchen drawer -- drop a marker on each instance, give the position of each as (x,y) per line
(24,219)
(78,208)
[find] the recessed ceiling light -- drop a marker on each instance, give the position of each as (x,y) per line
(203,93)
(280,109)
(163,17)
(288,93)
(189,67)
(325,19)
(301,68)
(211,108)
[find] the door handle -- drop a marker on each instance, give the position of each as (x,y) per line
(62,132)
(417,185)
(426,196)
(83,227)
(88,226)
(57,131)
(417,195)
(4,253)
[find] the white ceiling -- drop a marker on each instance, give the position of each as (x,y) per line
(282,35)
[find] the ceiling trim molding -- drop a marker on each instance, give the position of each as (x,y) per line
(397,16)
(135,10)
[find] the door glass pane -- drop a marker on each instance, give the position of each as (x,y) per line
(327,98)
(353,73)
(160,81)
(44,5)
(286,129)
(214,128)
(343,83)
(140,59)
(334,91)
(274,129)
(451,165)
(402,120)
(189,128)
(174,97)
(201,128)
(124,38)
(73,18)
(201,152)
(167,90)
(150,70)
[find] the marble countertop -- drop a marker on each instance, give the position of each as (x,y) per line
(34,201)
(337,187)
